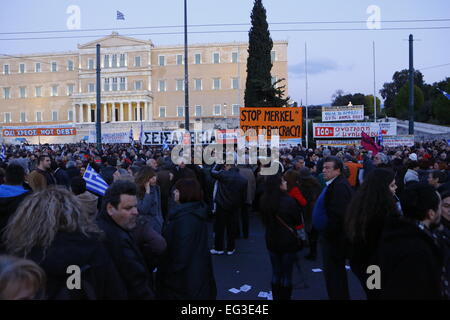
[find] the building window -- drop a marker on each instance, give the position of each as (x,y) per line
(138,85)
(106,87)
(123,84)
(37,67)
(198,111)
(69,65)
(106,61)
(161,85)
(180,111)
(123,60)
(216,83)
(54,91)
(38,92)
(179,59)
(273,56)
(38,116)
(234,57)
(198,58)
(54,67)
(7,93)
(8,117)
(198,84)
(70,88)
(22,92)
(162,112)
(91,87)
(217,110)
(54,115)
(137,61)
(23,117)
(234,83)
(70,115)
(162,60)
(216,57)
(180,85)
(114,84)
(22,68)
(6,69)
(114,60)
(236,109)
(91,64)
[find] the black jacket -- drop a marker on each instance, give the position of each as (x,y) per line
(338,196)
(73,172)
(107,173)
(278,238)
(410,261)
(62,178)
(186,271)
(127,258)
(99,277)
(232,189)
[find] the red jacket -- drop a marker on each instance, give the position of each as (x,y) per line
(297,195)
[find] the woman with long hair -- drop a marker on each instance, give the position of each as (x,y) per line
(149,197)
(280,215)
(365,218)
(185,271)
(51,228)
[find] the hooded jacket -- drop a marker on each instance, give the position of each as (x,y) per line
(186,270)
(410,261)
(89,202)
(10,199)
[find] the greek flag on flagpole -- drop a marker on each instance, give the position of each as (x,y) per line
(141,134)
(120,16)
(445,94)
(131,137)
(94,182)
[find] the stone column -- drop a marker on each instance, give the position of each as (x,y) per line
(89,115)
(121,111)
(105,112)
(80,115)
(130,114)
(145,111)
(74,112)
(138,111)
(113,111)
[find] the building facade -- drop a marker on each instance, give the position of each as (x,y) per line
(140,82)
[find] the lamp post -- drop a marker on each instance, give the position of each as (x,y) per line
(186,74)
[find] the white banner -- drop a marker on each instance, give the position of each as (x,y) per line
(115,137)
(344,113)
(353,130)
(338,143)
(398,141)
(175,137)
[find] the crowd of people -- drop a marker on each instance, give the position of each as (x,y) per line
(147,236)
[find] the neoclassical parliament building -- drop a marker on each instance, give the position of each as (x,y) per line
(140,82)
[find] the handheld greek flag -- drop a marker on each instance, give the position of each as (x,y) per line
(120,16)
(445,94)
(131,137)
(141,134)
(94,182)
(3,153)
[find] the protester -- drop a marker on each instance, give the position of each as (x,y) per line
(328,219)
(364,221)
(117,219)
(41,177)
(149,198)
(280,215)
(20,279)
(247,173)
(444,237)
(410,258)
(88,201)
(185,271)
(50,228)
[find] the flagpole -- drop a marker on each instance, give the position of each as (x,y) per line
(374,94)
(306,94)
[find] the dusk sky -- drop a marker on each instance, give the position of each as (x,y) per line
(336,59)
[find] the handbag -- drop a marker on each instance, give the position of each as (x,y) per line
(295,233)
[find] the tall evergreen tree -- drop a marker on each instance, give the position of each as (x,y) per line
(259,90)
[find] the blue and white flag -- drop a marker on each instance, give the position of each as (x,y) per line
(94,182)
(165,146)
(3,153)
(380,137)
(120,16)
(445,94)
(141,134)
(131,137)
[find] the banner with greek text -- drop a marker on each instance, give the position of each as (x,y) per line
(343,113)
(114,137)
(353,130)
(398,141)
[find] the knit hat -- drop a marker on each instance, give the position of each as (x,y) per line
(413,157)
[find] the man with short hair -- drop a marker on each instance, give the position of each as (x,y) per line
(410,257)
(328,219)
(117,219)
(41,177)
